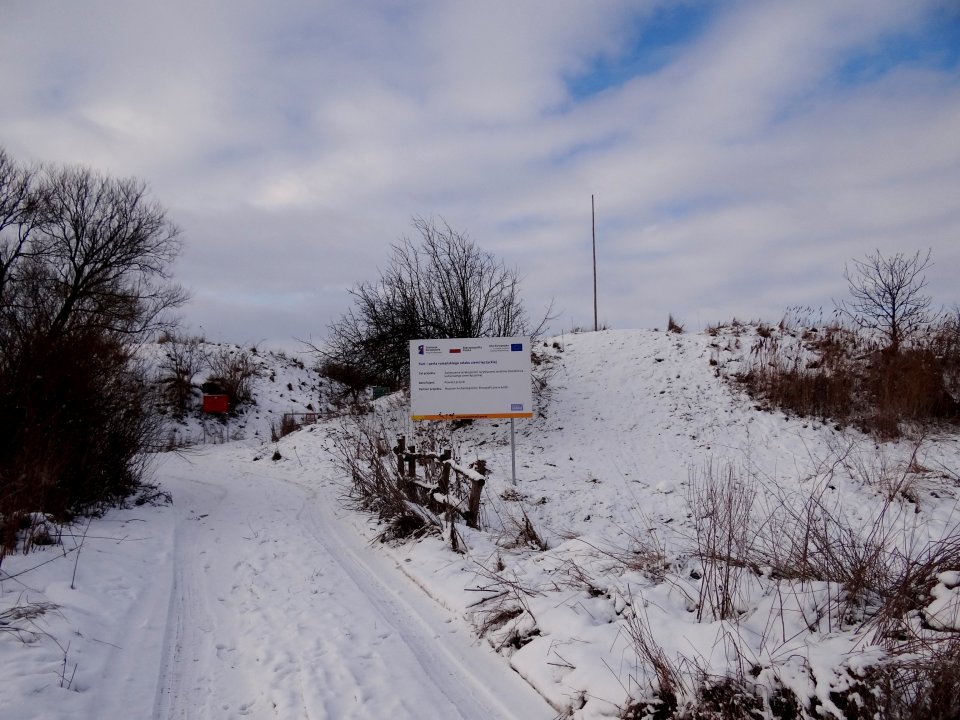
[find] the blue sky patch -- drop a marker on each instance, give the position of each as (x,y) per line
(654,42)
(935,45)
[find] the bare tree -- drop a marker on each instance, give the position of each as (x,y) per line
(183,358)
(111,248)
(442,287)
(888,295)
(20,199)
(84,277)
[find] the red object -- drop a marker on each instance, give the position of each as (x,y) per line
(216,403)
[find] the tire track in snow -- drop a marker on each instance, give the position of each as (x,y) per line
(281,611)
(422,628)
(186,615)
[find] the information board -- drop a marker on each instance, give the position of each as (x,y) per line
(470,378)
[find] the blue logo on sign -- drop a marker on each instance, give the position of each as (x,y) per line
(419,349)
(516,407)
(516,347)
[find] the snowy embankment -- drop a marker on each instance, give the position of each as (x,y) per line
(256,594)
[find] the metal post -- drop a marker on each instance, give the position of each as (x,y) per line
(513,452)
(593,227)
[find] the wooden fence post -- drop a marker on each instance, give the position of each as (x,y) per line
(401,444)
(444,484)
(407,472)
(410,482)
(412,462)
(473,510)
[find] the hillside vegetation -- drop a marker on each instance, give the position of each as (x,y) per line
(676,547)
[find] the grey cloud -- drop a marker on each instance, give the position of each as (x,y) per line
(294,141)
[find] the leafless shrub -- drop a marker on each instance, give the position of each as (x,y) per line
(363,453)
(878,471)
(83,435)
(836,373)
(662,698)
(673,326)
(721,502)
(233,370)
(908,386)
(909,590)
(351,380)
(863,572)
(523,533)
(544,371)
(876,575)
(726,698)
(183,358)
(917,686)
(642,554)
(575,575)
(814,540)
(152,494)
(504,615)
(497,617)
(41,531)
(946,344)
(288,424)
(683,689)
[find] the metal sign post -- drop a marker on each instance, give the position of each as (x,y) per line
(513,453)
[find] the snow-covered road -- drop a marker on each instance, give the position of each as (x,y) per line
(280,609)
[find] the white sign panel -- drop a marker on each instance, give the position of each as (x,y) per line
(470,378)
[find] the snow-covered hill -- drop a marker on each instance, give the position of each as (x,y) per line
(641,439)
(594,565)
(279,383)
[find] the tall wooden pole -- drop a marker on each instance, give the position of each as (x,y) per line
(593,225)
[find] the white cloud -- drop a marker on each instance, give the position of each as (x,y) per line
(294,141)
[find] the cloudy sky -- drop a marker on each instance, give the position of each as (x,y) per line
(739,152)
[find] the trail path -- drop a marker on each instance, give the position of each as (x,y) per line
(279,609)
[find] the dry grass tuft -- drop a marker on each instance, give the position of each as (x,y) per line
(859,571)
(840,374)
(20,620)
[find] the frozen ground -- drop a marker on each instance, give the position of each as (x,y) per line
(253,595)
(257,594)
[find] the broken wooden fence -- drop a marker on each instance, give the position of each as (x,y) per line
(300,418)
(436,495)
